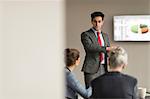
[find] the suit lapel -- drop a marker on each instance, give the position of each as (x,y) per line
(93,36)
(105,39)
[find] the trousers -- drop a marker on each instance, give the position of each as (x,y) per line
(88,77)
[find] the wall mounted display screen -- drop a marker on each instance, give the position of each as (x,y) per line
(132,28)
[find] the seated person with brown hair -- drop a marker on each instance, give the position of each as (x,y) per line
(73,86)
(114,84)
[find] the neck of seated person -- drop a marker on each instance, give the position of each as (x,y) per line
(116,69)
(71,68)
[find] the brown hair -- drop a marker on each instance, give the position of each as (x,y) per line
(71,55)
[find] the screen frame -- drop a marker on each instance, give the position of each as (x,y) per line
(117,19)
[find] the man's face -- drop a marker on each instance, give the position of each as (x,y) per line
(97,23)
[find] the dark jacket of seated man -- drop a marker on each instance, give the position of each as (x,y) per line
(114,84)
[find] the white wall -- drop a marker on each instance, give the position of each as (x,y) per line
(78,20)
(31,47)
(1,50)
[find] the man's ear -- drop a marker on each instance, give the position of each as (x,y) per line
(102,23)
(123,66)
(77,61)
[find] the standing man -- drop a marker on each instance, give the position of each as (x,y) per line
(96,44)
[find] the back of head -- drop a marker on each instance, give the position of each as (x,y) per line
(97,14)
(118,57)
(71,55)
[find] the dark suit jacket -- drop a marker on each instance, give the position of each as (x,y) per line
(114,85)
(92,49)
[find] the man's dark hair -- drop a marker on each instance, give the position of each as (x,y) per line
(96,14)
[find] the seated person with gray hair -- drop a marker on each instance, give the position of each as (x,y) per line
(114,84)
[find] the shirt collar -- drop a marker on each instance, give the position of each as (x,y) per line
(68,69)
(95,32)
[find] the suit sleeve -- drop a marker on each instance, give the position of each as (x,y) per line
(107,39)
(89,46)
(94,92)
(135,93)
(75,85)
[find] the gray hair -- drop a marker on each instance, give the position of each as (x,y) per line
(118,57)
